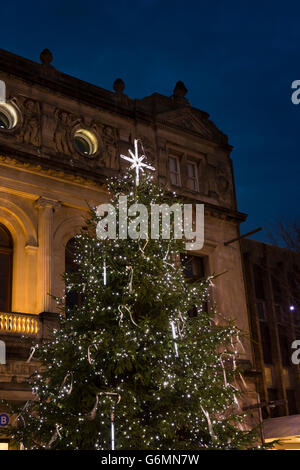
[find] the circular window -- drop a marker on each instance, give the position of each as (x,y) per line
(8,116)
(86,142)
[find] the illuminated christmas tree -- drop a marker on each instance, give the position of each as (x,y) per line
(141,362)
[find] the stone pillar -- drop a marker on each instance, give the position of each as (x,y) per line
(45,269)
(31,279)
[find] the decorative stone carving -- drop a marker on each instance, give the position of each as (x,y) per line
(179,93)
(216,181)
(119,86)
(120,97)
(48,203)
(110,150)
(196,121)
(64,122)
(223,184)
(46,57)
(30,132)
(149,149)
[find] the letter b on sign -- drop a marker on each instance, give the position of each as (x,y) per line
(4,419)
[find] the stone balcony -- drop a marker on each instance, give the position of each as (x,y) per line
(26,324)
(18,332)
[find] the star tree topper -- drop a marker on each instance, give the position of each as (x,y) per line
(137,162)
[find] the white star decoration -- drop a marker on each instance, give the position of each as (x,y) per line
(137,162)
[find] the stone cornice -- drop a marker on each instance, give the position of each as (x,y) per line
(49,170)
(145,109)
(210,209)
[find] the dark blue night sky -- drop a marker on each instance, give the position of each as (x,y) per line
(237,59)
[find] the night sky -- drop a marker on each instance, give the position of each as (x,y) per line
(237,59)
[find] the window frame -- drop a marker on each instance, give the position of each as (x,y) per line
(177,173)
(195,178)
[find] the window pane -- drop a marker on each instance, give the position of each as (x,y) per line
(261,310)
(266,343)
(192,181)
(192,184)
(259,282)
(191,170)
(284,347)
(173,164)
(276,290)
(174,171)
(174,179)
(269,376)
(199,270)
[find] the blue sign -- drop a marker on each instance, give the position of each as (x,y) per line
(4,419)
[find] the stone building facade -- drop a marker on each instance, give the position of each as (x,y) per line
(60,138)
(272,277)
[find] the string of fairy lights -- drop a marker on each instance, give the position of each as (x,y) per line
(130,368)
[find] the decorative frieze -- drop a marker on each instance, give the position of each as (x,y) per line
(30,132)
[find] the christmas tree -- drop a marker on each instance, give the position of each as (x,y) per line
(140,362)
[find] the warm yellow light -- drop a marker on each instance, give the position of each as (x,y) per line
(15,323)
(3,445)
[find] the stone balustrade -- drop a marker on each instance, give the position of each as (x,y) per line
(20,323)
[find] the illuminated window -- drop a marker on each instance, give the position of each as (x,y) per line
(8,116)
(86,142)
(287,378)
(4,445)
(269,376)
(192,176)
(6,252)
(174,169)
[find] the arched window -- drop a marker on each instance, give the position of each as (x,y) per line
(73,298)
(6,253)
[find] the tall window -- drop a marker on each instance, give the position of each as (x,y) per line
(285,346)
(259,282)
(193,267)
(6,253)
(174,168)
(266,342)
(73,298)
(192,176)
